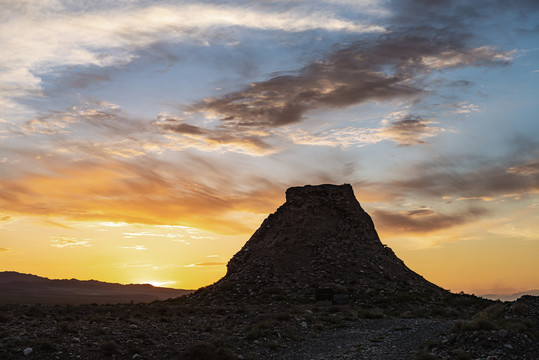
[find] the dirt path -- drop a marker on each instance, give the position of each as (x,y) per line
(397,339)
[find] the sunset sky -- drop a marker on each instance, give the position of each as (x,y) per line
(145,141)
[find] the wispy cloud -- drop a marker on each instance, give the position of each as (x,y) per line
(410,130)
(68,241)
(531,168)
(470,179)
(93,116)
(466,108)
(405,131)
(423,221)
(5,218)
(3,250)
(116,192)
(204,264)
(251,142)
(135,247)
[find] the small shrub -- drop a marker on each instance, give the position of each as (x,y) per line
(377,339)
(371,314)
(5,318)
(34,312)
(66,327)
(266,323)
(45,345)
(461,355)
(494,311)
(281,316)
(518,325)
(109,348)
(431,344)
(400,328)
(476,324)
(519,308)
(254,334)
(424,355)
(333,309)
(207,351)
(482,324)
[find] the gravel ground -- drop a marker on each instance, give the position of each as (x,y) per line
(368,339)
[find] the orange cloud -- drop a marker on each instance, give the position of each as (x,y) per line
(115,191)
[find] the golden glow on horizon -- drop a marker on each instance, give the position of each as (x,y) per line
(188,258)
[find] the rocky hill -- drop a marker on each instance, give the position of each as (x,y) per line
(320,238)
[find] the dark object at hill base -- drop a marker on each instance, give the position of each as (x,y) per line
(320,238)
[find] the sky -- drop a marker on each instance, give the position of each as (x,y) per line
(145,141)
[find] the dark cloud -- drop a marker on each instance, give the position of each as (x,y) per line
(460,84)
(392,66)
(423,221)
(531,168)
(420,212)
(409,130)
(462,15)
(178,126)
(244,141)
(469,178)
(80,80)
(93,115)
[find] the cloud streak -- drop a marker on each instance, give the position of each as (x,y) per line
(67,241)
(405,131)
(117,191)
(250,141)
(423,221)
(448,177)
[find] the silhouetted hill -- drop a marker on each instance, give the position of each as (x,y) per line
(18,288)
(320,238)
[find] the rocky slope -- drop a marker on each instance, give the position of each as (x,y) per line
(319,238)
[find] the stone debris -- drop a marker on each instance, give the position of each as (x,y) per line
(501,331)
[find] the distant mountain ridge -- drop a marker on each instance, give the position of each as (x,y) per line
(510,297)
(20,288)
